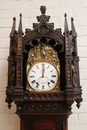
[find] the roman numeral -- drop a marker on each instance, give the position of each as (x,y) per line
(48,66)
(53,75)
(42,65)
(52,81)
(32,76)
(33,81)
(33,71)
(51,71)
(37,67)
(42,86)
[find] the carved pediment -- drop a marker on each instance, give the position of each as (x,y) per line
(43,29)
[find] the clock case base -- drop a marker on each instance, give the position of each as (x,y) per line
(42,123)
(43,111)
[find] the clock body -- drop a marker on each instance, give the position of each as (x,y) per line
(43,74)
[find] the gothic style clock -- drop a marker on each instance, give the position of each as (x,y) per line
(43,74)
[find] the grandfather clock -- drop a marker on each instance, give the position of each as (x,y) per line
(43,74)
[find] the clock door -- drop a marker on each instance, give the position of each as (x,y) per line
(44,126)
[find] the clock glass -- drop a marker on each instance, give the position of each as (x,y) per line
(42,76)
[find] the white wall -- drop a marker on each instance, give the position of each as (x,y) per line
(30,9)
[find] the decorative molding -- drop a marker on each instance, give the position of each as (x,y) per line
(43,108)
(50,96)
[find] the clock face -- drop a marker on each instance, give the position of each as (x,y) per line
(42,76)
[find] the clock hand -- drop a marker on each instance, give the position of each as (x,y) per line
(37,84)
(43,69)
(49,84)
(42,73)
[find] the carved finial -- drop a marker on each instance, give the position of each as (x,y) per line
(13,28)
(20,25)
(72,19)
(43,9)
(20,15)
(14,18)
(65,15)
(78,105)
(73,28)
(9,105)
(19,40)
(66,30)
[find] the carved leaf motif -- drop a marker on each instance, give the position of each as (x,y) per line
(43,107)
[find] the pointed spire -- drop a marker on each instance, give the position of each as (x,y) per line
(20,26)
(19,41)
(13,28)
(66,29)
(73,28)
(66,33)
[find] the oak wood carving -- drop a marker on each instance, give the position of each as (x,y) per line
(43,110)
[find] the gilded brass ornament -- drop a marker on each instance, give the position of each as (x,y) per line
(43,53)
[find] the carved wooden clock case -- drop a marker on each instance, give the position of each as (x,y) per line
(43,74)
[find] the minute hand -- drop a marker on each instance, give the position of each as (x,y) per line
(43,69)
(43,73)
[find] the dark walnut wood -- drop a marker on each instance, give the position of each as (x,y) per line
(43,110)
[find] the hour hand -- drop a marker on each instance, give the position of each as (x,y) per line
(43,69)
(37,84)
(49,84)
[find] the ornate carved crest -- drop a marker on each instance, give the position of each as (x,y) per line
(43,52)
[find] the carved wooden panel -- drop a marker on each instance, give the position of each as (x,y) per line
(45,125)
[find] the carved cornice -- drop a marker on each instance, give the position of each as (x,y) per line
(43,29)
(43,108)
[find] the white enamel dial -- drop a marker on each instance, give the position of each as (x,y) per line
(42,76)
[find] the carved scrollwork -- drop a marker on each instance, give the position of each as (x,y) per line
(40,107)
(44,52)
(43,96)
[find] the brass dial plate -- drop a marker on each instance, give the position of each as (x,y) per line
(42,56)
